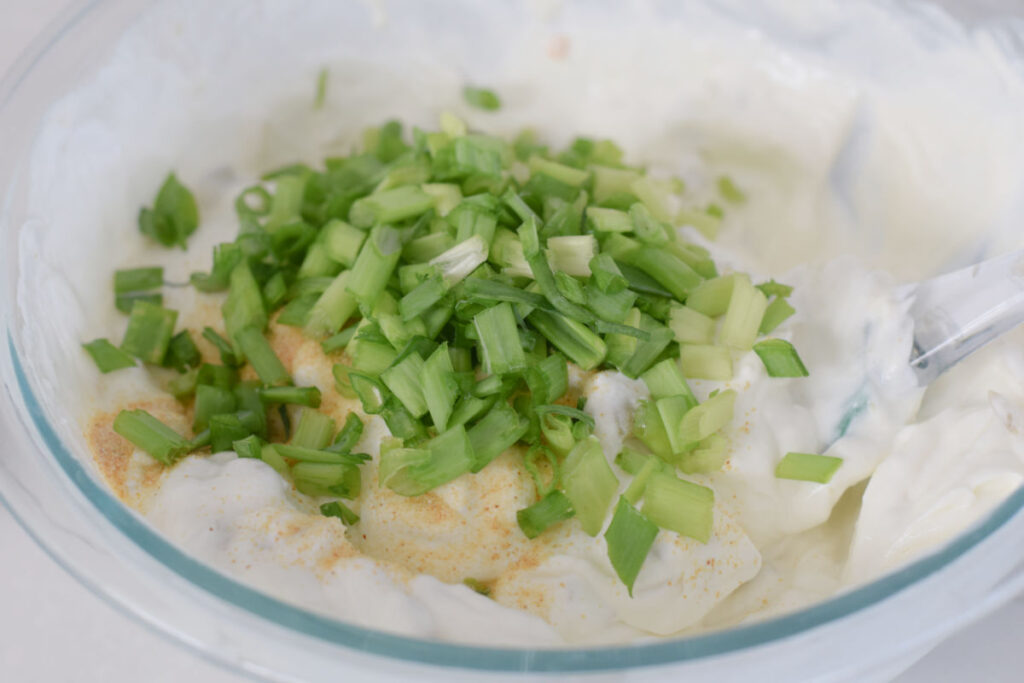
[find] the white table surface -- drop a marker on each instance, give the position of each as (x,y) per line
(53,629)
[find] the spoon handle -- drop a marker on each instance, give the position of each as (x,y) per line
(958,313)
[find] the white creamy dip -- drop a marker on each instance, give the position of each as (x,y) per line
(875,149)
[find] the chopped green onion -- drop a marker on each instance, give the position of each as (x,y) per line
(636,488)
(319,456)
(375,264)
(107,356)
(299,396)
(649,350)
(138,279)
(649,427)
(707,418)
(262,357)
(743,316)
(589,483)
(530,463)
(548,380)
(679,505)
(501,351)
(553,508)
(690,326)
(149,332)
(269,455)
(341,511)
(227,428)
(404,381)
(776,313)
(210,401)
(666,379)
(338,341)
(574,339)
(667,269)
(709,456)
(630,536)
(461,260)
(223,346)
(315,430)
(439,387)
(174,216)
(780,358)
(481,98)
(349,435)
(244,305)
(286,204)
(673,411)
(217,375)
(249,447)
(149,434)
(655,196)
(494,434)
(808,467)
(612,181)
(334,306)
(730,193)
(704,361)
(411,472)
(124,302)
(711,297)
(608,220)
(572,254)
(777,289)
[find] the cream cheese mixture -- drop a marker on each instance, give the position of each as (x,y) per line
(875,149)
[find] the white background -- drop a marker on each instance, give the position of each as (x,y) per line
(53,629)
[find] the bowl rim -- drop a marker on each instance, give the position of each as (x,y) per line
(404,648)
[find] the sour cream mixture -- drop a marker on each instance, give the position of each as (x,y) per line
(874,149)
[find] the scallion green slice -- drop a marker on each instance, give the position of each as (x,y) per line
(107,356)
(780,358)
(149,434)
(679,505)
(553,508)
(629,537)
(150,328)
(808,467)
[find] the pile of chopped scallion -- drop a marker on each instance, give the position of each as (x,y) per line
(455,278)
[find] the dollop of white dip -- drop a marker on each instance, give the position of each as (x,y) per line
(874,149)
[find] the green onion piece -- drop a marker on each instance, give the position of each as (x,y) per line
(262,357)
(545,278)
(244,305)
(124,302)
(647,229)
(448,456)
(183,386)
(299,396)
(808,467)
(777,312)
(107,356)
(673,410)
(461,260)
(501,351)
(690,326)
(481,98)
(390,206)
(561,172)
(730,193)
(342,242)
(469,408)
(174,216)
(422,298)
(572,254)
(375,264)
(553,508)
(249,447)
(548,380)
(313,455)
(708,417)
(286,205)
(667,269)
(247,397)
(446,196)
(649,427)
(606,275)
(557,430)
(498,431)
(138,279)
(655,196)
(296,312)
(609,307)
(217,375)
(149,434)
(338,341)
(269,455)
(210,401)
(647,351)
(777,289)
(227,428)
(573,338)
(636,488)
(708,224)
(439,386)
(317,478)
(530,463)
(743,316)
(711,297)
(630,536)
(226,256)
(780,358)
(632,461)
(316,263)
(680,506)
(223,346)
(369,391)
(568,411)
(315,430)
(612,181)
(608,220)
(709,456)
(341,511)
(666,379)
(182,353)
(621,347)
(589,483)
(149,332)
(370,356)
(704,361)
(349,435)
(334,306)
(404,381)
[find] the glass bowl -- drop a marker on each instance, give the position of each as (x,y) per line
(868,633)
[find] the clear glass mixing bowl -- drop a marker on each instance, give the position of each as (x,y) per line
(868,633)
